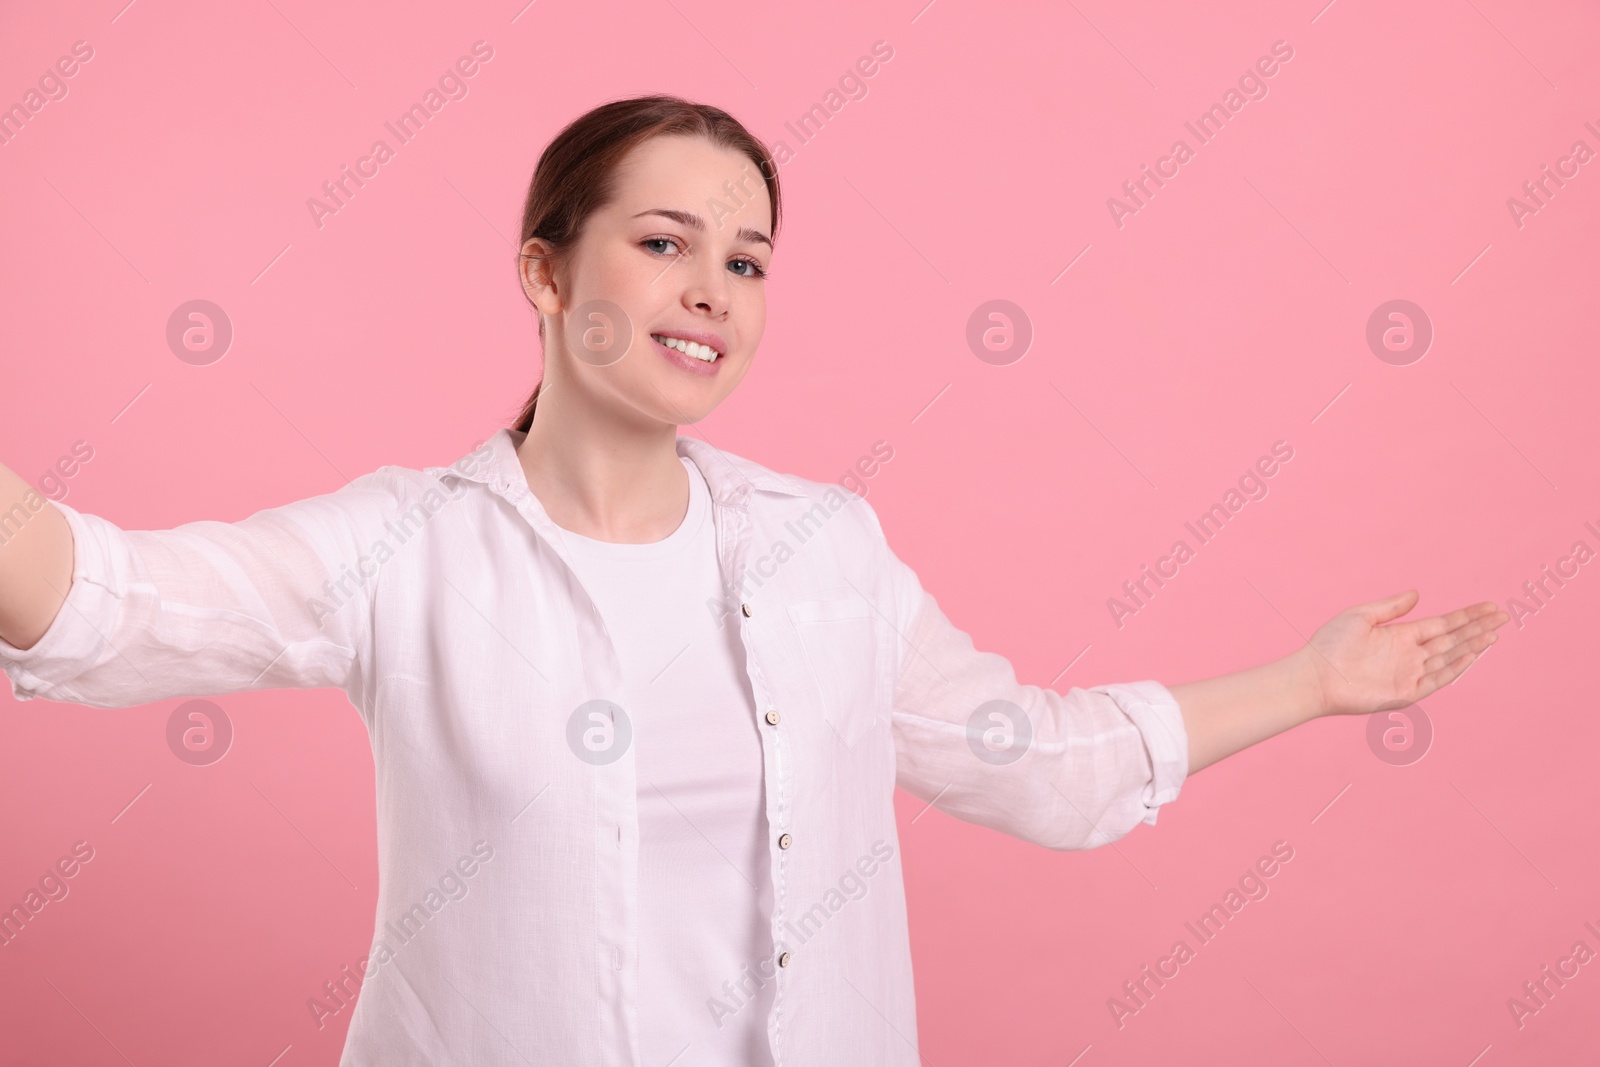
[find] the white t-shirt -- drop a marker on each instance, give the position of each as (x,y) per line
(704,885)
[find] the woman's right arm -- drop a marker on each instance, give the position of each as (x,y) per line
(94,614)
(35,561)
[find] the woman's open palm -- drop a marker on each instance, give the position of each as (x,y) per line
(1366,662)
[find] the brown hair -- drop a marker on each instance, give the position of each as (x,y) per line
(576,173)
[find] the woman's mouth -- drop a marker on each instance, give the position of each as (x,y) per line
(692,349)
(691,356)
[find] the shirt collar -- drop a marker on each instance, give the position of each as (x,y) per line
(730,477)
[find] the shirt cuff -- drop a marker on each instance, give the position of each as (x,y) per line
(76,636)
(1154,710)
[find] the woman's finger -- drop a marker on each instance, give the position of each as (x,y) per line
(1438,679)
(1470,647)
(1390,607)
(1446,641)
(1428,629)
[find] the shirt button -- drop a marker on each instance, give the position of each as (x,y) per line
(784,841)
(783,959)
(746,609)
(772,718)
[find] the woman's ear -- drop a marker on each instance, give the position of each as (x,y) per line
(538,275)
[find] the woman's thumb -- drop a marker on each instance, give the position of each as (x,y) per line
(1381,611)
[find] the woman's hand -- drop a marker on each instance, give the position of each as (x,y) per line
(1360,661)
(1365,662)
(36,556)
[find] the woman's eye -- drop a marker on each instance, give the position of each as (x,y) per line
(673,247)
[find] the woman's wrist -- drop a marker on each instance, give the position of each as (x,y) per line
(1233,711)
(1304,681)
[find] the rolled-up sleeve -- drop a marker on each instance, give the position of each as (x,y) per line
(1084,769)
(279,599)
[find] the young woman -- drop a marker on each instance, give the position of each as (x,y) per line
(638,705)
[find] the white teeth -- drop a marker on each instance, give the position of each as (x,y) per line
(689,348)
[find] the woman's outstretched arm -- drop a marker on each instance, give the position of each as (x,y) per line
(279,599)
(35,561)
(1360,661)
(1081,768)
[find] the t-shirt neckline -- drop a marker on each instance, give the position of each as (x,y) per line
(693,519)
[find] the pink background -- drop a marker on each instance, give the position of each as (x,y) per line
(1225,315)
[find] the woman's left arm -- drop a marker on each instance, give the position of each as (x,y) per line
(1360,661)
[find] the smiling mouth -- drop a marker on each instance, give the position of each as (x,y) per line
(692,349)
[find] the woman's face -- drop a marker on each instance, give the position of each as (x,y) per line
(679,253)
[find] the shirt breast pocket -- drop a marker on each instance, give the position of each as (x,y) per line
(839,642)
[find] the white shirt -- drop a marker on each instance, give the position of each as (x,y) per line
(444,604)
(704,887)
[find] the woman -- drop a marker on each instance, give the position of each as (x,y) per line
(638,705)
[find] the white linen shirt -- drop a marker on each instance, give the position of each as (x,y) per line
(443,602)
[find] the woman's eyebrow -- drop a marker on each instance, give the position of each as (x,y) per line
(695,222)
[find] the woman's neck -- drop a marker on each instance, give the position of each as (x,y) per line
(622,483)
